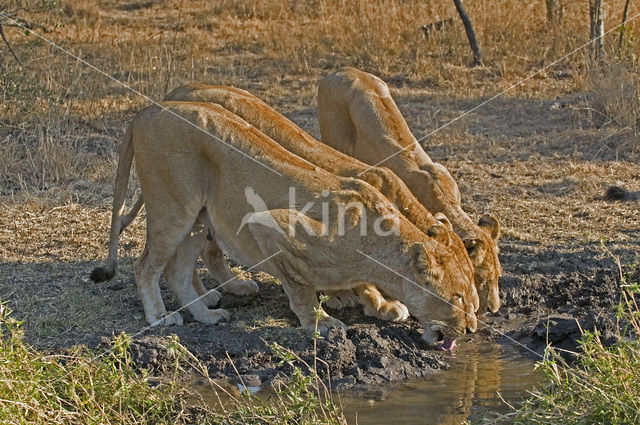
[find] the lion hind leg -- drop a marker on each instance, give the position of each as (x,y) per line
(147,279)
(339,300)
(168,231)
(182,278)
(210,297)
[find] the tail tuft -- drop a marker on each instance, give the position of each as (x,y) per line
(615,193)
(100,274)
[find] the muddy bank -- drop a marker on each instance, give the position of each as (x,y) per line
(557,291)
(543,287)
(362,357)
(368,353)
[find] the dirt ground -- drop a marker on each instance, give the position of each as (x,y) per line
(538,165)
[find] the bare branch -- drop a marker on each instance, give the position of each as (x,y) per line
(477,57)
(623,27)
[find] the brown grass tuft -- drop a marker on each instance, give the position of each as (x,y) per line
(615,96)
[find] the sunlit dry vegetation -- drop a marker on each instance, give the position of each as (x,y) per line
(107,387)
(601,385)
(276,49)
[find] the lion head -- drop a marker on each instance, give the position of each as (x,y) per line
(442,296)
(483,252)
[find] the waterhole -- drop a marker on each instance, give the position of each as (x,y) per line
(482,379)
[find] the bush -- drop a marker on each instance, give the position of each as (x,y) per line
(79,387)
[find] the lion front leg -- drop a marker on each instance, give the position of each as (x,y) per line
(304,303)
(376,305)
(267,228)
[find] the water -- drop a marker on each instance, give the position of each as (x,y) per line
(480,374)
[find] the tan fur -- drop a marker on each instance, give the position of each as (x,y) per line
(188,177)
(357,116)
(297,141)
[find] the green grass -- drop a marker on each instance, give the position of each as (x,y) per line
(80,387)
(602,386)
(84,387)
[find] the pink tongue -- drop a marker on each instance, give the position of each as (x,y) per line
(446,345)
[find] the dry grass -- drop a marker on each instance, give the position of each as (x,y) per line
(602,385)
(615,96)
(157,45)
(62,119)
(86,387)
(541,166)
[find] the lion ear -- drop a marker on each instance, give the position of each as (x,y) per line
(444,220)
(491,224)
(423,263)
(439,232)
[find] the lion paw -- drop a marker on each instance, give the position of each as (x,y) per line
(170,319)
(241,287)
(212,317)
(211,298)
(394,311)
(341,299)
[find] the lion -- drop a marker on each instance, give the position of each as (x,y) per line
(195,163)
(357,116)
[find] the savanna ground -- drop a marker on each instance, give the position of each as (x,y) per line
(539,157)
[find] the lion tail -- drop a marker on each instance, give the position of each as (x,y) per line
(118,223)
